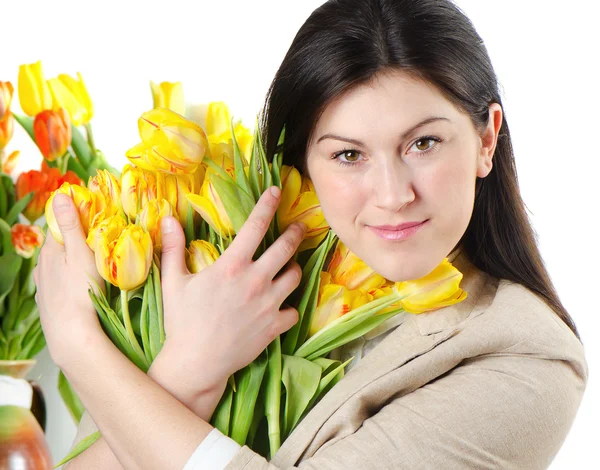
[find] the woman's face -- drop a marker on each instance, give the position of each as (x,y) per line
(395,152)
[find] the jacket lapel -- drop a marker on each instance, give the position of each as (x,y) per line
(415,336)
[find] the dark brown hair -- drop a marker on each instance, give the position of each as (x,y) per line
(344,43)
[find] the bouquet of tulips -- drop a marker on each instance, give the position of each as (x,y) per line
(210,179)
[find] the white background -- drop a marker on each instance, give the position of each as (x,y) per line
(543,51)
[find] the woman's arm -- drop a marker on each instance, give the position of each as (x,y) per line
(131,410)
(172,377)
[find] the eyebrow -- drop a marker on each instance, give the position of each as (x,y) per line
(404,135)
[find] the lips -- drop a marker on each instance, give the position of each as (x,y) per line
(395,228)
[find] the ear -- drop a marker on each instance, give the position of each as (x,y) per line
(489,140)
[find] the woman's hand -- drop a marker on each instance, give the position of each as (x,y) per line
(62,277)
(219,320)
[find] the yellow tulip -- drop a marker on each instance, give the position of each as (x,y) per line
(108,191)
(333,302)
(218,118)
(168,95)
(174,188)
(63,98)
(80,93)
(34,92)
(85,203)
(149,219)
(6,95)
(439,288)
(349,270)
(137,188)
(299,203)
(210,207)
(200,255)
(123,254)
(105,221)
(221,145)
(170,143)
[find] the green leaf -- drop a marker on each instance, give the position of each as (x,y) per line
(159,305)
(301,379)
(80,447)
(328,380)
(26,123)
(222,416)
(240,174)
(81,148)
(244,401)
(344,333)
(70,398)
(114,328)
(254,177)
(3,200)
(309,286)
(12,216)
(144,323)
(74,166)
(153,325)
(9,192)
(6,239)
(237,203)
(273,395)
(11,265)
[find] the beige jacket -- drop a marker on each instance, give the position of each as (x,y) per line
(492,382)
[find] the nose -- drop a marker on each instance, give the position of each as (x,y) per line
(393,186)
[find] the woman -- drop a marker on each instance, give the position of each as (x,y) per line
(392,108)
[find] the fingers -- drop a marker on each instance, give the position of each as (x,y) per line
(173,250)
(280,252)
(254,229)
(287,281)
(283,321)
(69,224)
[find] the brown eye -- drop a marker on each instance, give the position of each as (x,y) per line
(423,144)
(350,155)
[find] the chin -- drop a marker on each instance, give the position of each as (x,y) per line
(398,270)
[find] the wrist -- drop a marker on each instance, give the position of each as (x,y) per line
(197,385)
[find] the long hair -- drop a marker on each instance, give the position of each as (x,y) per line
(344,43)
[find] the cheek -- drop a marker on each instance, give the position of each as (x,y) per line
(451,190)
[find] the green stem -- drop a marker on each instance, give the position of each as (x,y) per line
(128,327)
(90,138)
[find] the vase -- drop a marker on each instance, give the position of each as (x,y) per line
(22,420)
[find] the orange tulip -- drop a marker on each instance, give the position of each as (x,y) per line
(26,238)
(42,184)
(7,127)
(6,94)
(52,131)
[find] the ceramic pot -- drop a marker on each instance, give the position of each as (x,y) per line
(22,418)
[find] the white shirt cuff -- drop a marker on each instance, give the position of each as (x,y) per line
(213,453)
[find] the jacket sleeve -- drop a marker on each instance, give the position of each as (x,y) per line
(508,410)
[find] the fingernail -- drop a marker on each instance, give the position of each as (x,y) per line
(168,225)
(61,201)
(275,191)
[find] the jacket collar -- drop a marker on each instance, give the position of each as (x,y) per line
(417,335)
